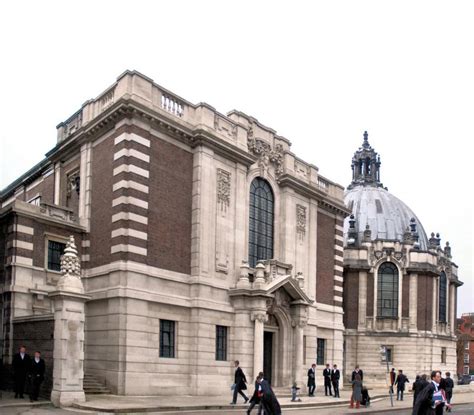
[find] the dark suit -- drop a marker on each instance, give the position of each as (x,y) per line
(240,384)
(255,400)
(335,376)
(424,401)
(311,381)
(448,387)
(270,403)
(327,381)
(354,373)
(400,382)
(20,369)
(36,377)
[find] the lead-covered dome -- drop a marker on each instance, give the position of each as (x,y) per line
(387,217)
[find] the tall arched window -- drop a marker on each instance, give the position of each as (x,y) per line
(387,290)
(261,221)
(442,297)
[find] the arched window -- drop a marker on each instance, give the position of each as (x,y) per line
(387,290)
(261,221)
(442,297)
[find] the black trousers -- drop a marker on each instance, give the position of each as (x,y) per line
(400,394)
(327,386)
(35,388)
(311,389)
(253,404)
(238,391)
(449,395)
(335,385)
(20,379)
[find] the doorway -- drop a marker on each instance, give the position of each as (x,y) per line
(268,356)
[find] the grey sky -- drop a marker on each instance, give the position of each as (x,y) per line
(318,72)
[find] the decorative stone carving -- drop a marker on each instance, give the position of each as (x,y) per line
(73,183)
(223,189)
(71,269)
(266,154)
(260,316)
(301,220)
(57,212)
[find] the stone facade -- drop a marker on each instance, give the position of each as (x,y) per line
(156,192)
(414,316)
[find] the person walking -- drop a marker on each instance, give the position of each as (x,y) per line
(311,379)
(239,383)
(335,376)
(36,375)
(255,399)
(327,380)
(419,384)
(356,396)
(424,404)
(393,377)
(400,382)
(449,385)
(20,365)
(270,403)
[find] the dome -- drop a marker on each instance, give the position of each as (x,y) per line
(387,216)
(371,204)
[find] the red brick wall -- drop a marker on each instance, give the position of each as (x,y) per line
(425,302)
(45,189)
(68,168)
(101,203)
(406,296)
(169,235)
(370,294)
(351,299)
(325,259)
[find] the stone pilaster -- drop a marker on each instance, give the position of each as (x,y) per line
(362,300)
(413,310)
(259,318)
(85,185)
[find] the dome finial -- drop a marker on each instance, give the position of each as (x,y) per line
(366,144)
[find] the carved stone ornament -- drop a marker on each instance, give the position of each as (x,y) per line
(259,316)
(73,183)
(301,220)
(70,263)
(223,189)
(266,154)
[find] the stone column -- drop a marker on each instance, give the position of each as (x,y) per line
(452,308)
(68,300)
(300,320)
(85,185)
(413,311)
(259,318)
(362,300)
(57,183)
(434,305)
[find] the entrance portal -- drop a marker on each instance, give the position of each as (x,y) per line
(268,355)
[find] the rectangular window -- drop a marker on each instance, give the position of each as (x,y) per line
(320,352)
(466,357)
(466,345)
(466,370)
(35,201)
(388,355)
(221,343)
(55,251)
(167,338)
(443,355)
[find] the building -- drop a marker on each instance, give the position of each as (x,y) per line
(465,332)
(203,239)
(400,287)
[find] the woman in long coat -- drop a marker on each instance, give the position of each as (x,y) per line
(356,391)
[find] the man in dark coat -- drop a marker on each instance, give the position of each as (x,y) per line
(393,377)
(418,385)
(424,400)
(255,399)
(449,386)
(239,384)
(335,376)
(400,382)
(359,372)
(21,365)
(312,379)
(36,376)
(270,403)
(327,380)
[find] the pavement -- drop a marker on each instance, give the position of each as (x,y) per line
(218,404)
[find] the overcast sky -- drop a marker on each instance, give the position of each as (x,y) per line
(318,72)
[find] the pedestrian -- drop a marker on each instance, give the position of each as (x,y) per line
(449,385)
(270,403)
(36,375)
(327,380)
(255,399)
(425,404)
(359,372)
(311,379)
(335,376)
(393,376)
(21,365)
(400,382)
(294,393)
(239,383)
(356,396)
(419,384)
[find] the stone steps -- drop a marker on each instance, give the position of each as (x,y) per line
(93,387)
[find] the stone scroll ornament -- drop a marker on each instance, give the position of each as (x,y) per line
(266,154)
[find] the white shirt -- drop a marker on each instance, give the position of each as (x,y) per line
(37,359)
(436,385)
(22,355)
